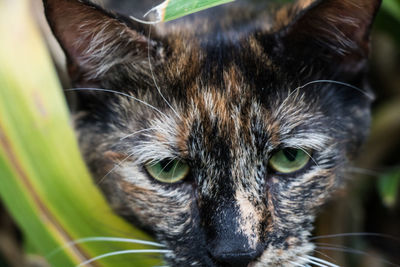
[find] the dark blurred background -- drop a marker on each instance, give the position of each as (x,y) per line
(371,204)
(361,226)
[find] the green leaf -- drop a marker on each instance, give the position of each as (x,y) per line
(173,9)
(43,180)
(392,7)
(389,185)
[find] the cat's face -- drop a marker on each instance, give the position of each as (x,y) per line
(221,145)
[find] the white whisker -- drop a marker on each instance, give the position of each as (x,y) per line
(154,79)
(122,252)
(363,171)
(105,239)
(172,159)
(342,249)
(355,234)
(140,131)
(324,254)
(369,96)
(176,165)
(114,168)
(313,262)
(354,251)
(149,143)
(297,264)
(322,261)
(114,239)
(118,93)
(308,154)
(330,245)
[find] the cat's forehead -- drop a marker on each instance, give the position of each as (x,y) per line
(225,71)
(235,112)
(224,58)
(217,124)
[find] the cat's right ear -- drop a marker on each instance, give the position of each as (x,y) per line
(95,41)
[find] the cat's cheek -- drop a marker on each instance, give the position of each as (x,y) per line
(312,188)
(162,212)
(317,188)
(293,204)
(168,211)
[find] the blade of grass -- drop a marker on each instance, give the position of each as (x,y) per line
(43,180)
(388,185)
(173,9)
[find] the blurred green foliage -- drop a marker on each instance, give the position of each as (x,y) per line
(388,185)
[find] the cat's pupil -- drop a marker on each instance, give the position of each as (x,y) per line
(166,165)
(290,153)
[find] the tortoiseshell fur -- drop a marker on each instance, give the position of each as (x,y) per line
(224,97)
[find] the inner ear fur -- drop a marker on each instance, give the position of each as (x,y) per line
(340,28)
(95,40)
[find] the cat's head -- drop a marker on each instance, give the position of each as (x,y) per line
(220,140)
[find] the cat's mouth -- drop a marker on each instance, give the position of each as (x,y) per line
(288,254)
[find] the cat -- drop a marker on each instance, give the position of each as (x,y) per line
(220,137)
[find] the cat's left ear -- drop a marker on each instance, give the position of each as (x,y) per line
(336,31)
(95,41)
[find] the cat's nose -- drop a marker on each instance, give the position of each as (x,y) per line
(225,257)
(229,242)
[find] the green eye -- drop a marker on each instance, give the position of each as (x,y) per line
(289,160)
(167,170)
